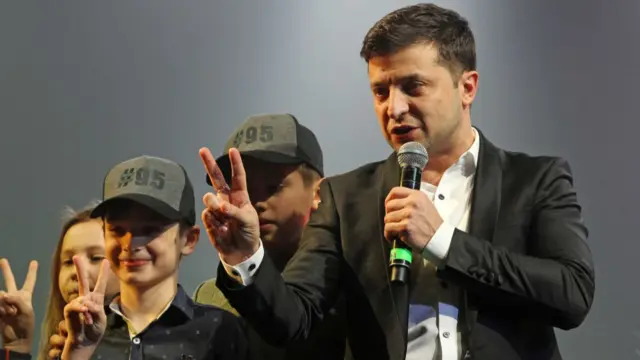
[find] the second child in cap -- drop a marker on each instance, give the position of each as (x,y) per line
(284,166)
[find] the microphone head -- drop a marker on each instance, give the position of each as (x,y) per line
(413,154)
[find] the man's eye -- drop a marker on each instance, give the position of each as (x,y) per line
(380,92)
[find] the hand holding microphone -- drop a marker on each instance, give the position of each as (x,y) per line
(411,219)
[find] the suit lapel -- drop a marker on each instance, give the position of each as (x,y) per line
(389,178)
(485,203)
(485,207)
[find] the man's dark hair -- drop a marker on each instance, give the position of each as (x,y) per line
(424,24)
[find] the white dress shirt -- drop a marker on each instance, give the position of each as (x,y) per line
(434,308)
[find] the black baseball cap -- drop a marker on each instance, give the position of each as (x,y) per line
(159,184)
(276,138)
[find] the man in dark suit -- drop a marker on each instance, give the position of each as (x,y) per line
(499,243)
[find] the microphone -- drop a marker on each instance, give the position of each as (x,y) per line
(412,158)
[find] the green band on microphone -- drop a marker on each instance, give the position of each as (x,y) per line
(401,254)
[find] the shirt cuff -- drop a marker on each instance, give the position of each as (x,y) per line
(244,272)
(437,249)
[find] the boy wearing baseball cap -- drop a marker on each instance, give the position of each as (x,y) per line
(284,166)
(149,225)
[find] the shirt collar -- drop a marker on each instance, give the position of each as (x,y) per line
(469,160)
(180,302)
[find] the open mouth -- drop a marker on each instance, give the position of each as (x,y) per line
(402,130)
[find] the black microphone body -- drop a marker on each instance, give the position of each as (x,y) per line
(412,158)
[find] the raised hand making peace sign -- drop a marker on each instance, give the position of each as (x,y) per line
(229,217)
(84,316)
(16,310)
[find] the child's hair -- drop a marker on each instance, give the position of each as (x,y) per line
(309,175)
(54,313)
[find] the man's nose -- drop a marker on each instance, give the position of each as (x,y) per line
(398,104)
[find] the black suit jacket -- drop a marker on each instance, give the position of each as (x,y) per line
(524,265)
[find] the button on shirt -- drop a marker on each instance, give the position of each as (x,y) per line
(184,330)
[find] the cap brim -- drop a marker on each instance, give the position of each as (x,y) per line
(277,158)
(152,203)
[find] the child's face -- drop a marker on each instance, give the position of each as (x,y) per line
(282,201)
(143,247)
(85,240)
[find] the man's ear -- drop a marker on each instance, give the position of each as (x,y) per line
(192,236)
(468,85)
(316,194)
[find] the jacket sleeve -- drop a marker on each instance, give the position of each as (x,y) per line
(12,355)
(286,307)
(554,279)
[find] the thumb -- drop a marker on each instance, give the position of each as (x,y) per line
(73,323)
(220,207)
(23,305)
(229,209)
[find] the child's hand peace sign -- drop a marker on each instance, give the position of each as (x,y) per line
(16,310)
(85,317)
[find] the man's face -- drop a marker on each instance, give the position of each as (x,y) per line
(282,201)
(143,247)
(418,99)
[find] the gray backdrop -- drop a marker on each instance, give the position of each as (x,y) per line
(84,85)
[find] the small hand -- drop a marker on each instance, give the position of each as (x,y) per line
(229,217)
(411,217)
(57,341)
(17,319)
(85,318)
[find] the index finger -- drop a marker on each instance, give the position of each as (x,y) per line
(238,175)
(83,282)
(9,280)
(30,280)
(101,283)
(397,192)
(214,172)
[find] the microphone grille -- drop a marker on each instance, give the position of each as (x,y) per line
(413,154)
